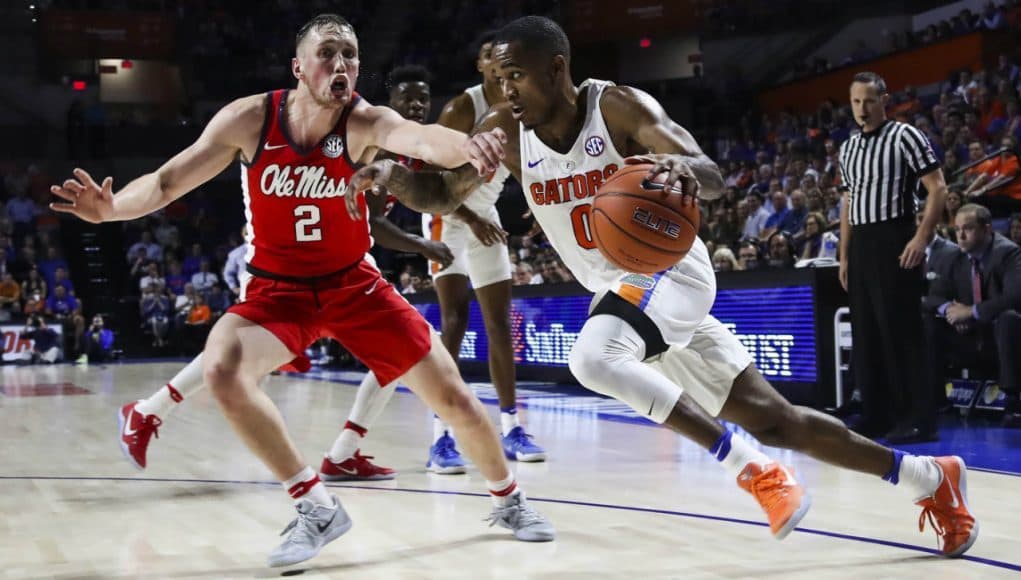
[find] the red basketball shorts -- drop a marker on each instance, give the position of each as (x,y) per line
(358,308)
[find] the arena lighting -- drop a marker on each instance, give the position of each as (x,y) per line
(78,85)
(645,42)
(126,63)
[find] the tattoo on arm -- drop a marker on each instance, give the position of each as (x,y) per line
(433,192)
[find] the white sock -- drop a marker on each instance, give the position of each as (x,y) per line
(919,475)
(440,428)
(501,491)
(509,419)
(349,440)
(306,485)
(734,453)
(185,383)
(370,401)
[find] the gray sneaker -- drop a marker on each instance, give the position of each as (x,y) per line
(527,523)
(315,526)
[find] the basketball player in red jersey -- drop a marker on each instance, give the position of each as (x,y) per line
(298,149)
(139,421)
(641,344)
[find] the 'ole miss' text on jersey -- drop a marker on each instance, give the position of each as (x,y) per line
(298,226)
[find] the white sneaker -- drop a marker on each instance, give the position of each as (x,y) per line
(527,523)
(315,526)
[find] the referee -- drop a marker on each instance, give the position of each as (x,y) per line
(881,263)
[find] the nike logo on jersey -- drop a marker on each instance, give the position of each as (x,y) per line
(532,164)
(269,147)
(367,292)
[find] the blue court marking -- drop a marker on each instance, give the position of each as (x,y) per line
(692,515)
(990,449)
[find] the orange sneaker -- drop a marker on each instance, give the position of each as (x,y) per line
(947,509)
(780,495)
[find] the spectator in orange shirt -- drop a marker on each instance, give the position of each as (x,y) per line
(1000,175)
(10,296)
(200,312)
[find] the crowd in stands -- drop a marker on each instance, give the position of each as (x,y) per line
(782,202)
(1001,15)
(35,284)
(182,287)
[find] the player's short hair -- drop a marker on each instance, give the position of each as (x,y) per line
(322,22)
(485,38)
(981,212)
(408,73)
(536,34)
(869,77)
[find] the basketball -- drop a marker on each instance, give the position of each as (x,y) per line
(638,228)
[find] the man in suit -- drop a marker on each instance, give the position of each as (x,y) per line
(978,304)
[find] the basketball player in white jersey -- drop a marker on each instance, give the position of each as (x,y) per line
(479,244)
(649,340)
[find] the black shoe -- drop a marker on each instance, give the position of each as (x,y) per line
(906,434)
(846,410)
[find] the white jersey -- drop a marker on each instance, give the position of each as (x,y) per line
(486,195)
(560,187)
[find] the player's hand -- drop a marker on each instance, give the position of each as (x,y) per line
(914,252)
(485,150)
(373,177)
(438,252)
(85,198)
(842,274)
(489,233)
(679,176)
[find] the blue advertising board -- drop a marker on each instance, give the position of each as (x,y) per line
(777,325)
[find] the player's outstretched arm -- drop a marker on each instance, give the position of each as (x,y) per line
(435,145)
(425,191)
(652,133)
(214,150)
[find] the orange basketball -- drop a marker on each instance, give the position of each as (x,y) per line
(637,226)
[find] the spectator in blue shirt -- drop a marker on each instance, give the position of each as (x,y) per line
(794,221)
(153,251)
(98,341)
(60,280)
(780,210)
(175,280)
(66,309)
(193,263)
(49,266)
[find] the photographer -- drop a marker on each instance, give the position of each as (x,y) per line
(45,342)
(98,341)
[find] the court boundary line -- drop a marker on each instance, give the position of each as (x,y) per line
(627,508)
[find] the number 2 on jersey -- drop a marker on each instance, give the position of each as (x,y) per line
(581,220)
(303,230)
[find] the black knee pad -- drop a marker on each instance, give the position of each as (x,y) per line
(614,305)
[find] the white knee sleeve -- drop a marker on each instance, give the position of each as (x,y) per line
(607,358)
(370,401)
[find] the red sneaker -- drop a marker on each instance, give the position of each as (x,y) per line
(947,509)
(354,468)
(136,430)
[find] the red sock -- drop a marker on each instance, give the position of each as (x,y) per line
(361,431)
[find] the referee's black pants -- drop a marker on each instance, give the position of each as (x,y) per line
(888,350)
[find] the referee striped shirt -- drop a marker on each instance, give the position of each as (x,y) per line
(881,170)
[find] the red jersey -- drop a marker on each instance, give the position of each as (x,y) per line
(298,226)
